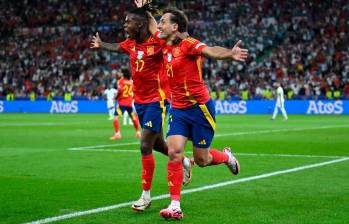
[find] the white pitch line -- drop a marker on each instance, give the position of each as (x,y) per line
(221,135)
(239,154)
(103,146)
(203,188)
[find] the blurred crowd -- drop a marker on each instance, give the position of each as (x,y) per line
(302,44)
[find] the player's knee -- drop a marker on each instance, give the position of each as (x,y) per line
(201,161)
(175,155)
(161,148)
(146,148)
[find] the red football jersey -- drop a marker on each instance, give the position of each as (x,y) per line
(125,92)
(182,65)
(150,83)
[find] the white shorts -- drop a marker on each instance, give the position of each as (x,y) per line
(110,104)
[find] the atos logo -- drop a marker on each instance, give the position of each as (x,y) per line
(64,107)
(319,107)
(226,107)
(1,106)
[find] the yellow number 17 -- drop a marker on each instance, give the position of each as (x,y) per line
(139,65)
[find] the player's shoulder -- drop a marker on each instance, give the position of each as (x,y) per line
(128,43)
(128,82)
(191,42)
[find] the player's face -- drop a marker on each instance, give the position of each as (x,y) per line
(166,28)
(131,26)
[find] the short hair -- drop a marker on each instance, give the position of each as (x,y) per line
(126,73)
(142,12)
(178,16)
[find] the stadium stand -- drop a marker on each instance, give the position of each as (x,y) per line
(304,44)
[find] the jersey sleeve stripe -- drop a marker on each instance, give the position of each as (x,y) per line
(199,45)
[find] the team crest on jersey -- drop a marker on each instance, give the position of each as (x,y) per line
(150,50)
(169,57)
(176,52)
(140,55)
(133,48)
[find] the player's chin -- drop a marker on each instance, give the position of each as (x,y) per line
(162,35)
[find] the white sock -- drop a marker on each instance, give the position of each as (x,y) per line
(175,203)
(146,195)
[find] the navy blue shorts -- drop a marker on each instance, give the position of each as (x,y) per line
(197,123)
(152,115)
(120,110)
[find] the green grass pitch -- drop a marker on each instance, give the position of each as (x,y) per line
(53,165)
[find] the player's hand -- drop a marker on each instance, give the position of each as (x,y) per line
(96,41)
(238,53)
(140,3)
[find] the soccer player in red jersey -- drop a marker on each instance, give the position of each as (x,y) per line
(192,115)
(150,93)
(125,101)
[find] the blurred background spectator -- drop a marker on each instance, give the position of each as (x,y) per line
(302,44)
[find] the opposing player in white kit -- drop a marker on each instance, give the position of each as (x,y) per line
(279,102)
(110,94)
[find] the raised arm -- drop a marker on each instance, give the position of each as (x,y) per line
(152,24)
(221,53)
(98,43)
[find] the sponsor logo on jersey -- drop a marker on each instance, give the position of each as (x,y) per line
(140,55)
(148,124)
(202,142)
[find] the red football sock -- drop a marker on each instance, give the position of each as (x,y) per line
(148,165)
(218,157)
(175,179)
(116,125)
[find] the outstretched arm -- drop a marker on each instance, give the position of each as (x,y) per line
(152,24)
(221,53)
(98,43)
